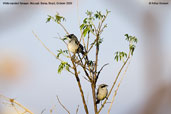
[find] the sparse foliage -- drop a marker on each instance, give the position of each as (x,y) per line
(91,28)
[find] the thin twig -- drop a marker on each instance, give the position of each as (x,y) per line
(43,111)
(114,82)
(64,28)
(115,93)
(80,87)
(51,110)
(62,105)
(51,51)
(12,101)
(87,97)
(45,45)
(77,109)
(15,109)
(98,73)
(88,40)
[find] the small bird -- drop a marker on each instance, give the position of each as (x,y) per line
(101,93)
(74,46)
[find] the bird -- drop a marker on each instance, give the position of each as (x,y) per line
(101,93)
(75,46)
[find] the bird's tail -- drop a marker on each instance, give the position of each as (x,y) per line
(97,101)
(86,57)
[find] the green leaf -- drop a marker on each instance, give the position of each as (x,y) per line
(59,18)
(85,31)
(61,52)
(85,21)
(132,48)
(116,58)
(127,37)
(81,27)
(89,13)
(107,11)
(67,67)
(120,56)
(62,66)
(48,19)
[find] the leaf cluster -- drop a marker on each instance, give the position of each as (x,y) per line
(120,56)
(132,45)
(57,18)
(61,52)
(88,23)
(132,42)
(62,66)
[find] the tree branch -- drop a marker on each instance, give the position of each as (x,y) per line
(77,109)
(64,28)
(79,85)
(114,82)
(63,105)
(98,73)
(12,101)
(113,98)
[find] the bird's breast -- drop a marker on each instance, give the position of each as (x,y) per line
(102,93)
(72,47)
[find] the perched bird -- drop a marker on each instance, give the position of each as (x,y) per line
(74,46)
(101,93)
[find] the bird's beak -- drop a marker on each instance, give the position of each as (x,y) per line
(68,37)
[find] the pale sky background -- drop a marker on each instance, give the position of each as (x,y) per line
(38,83)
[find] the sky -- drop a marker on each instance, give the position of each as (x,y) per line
(34,81)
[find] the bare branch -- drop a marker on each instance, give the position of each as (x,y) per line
(98,73)
(115,93)
(51,51)
(77,109)
(51,110)
(46,47)
(80,87)
(43,111)
(62,105)
(114,82)
(63,28)
(15,108)
(13,102)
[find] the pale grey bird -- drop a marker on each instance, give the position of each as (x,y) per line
(101,93)
(75,46)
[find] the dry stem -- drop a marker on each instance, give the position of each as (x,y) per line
(114,82)
(62,105)
(14,102)
(113,98)
(80,87)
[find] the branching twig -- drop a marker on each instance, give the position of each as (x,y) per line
(15,109)
(45,45)
(62,105)
(43,111)
(77,109)
(51,51)
(114,82)
(80,87)
(98,73)
(13,102)
(64,28)
(115,93)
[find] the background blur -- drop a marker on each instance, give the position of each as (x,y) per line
(28,72)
